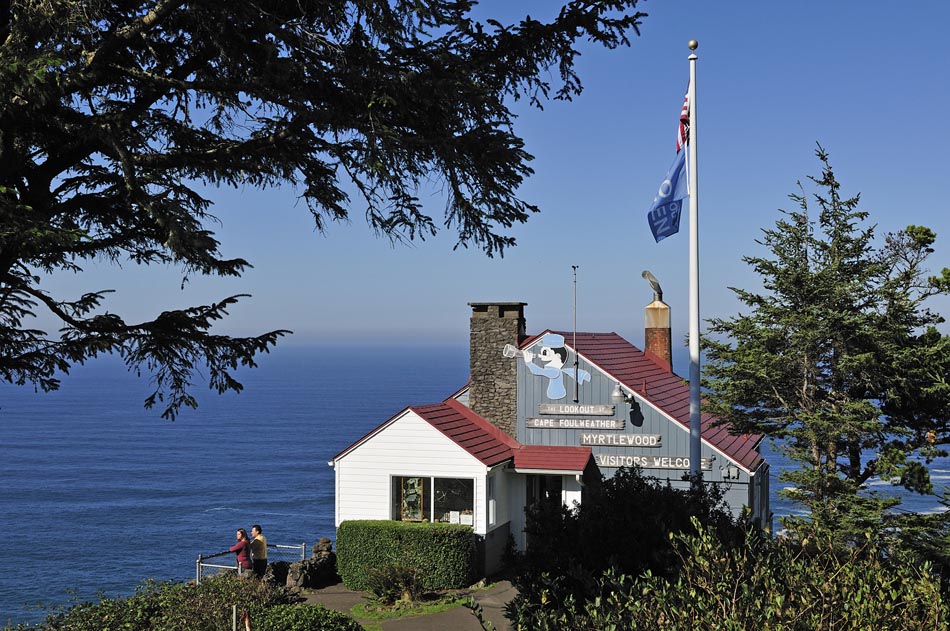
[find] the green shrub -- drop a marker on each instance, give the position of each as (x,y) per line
(304,618)
(623,524)
(170,607)
(445,553)
(763,584)
(782,584)
(392,583)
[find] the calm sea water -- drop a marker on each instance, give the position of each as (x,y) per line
(98,494)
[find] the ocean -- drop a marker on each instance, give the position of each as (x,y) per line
(99,494)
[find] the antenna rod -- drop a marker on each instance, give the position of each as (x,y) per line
(577,386)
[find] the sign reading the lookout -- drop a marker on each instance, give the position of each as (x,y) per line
(573,408)
(568,409)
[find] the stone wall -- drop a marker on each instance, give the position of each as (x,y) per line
(494,387)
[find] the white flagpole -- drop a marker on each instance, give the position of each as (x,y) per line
(695,436)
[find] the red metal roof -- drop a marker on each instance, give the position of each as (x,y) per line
(469,431)
(640,372)
(552,458)
(486,442)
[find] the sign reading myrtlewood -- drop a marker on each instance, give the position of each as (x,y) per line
(622,440)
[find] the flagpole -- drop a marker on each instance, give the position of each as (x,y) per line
(695,428)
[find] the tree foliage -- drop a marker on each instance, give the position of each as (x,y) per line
(114,115)
(838,356)
(623,525)
(769,584)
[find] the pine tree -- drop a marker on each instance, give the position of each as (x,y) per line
(114,114)
(838,357)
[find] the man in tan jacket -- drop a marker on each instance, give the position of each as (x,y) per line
(259,550)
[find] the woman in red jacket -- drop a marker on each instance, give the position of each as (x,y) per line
(243,549)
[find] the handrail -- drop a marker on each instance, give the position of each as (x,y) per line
(201,562)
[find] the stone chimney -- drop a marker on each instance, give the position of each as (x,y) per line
(493,393)
(657,333)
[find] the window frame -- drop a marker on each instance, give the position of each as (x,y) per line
(428,493)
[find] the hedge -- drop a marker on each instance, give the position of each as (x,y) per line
(444,553)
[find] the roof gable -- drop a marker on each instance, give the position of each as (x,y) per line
(469,431)
(482,440)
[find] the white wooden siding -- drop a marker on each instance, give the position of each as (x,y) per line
(409,446)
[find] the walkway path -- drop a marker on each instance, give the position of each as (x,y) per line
(492,600)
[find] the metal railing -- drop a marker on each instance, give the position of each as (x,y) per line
(299,553)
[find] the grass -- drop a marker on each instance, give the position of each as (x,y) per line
(431,603)
(376,611)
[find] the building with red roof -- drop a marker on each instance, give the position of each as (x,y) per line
(542,416)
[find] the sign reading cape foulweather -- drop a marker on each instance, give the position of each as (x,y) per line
(574,408)
(649,462)
(574,423)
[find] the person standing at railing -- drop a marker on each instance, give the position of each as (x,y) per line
(243,549)
(259,550)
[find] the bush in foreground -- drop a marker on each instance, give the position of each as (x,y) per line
(623,524)
(304,618)
(763,584)
(395,583)
(186,606)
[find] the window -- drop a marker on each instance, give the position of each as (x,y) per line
(447,500)
(490,494)
(544,488)
(411,498)
(454,501)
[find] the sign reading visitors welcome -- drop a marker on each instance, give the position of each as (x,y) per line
(649,462)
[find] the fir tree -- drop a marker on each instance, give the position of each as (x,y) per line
(838,357)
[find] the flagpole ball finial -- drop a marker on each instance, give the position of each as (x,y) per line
(693,44)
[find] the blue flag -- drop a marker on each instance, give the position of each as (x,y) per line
(664,215)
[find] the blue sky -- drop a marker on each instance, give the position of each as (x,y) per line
(868,80)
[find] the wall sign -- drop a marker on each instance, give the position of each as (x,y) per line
(574,423)
(650,462)
(623,440)
(553,366)
(573,408)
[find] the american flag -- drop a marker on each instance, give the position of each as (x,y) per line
(682,134)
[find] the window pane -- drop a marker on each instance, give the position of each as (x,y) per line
(490,493)
(410,498)
(455,501)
